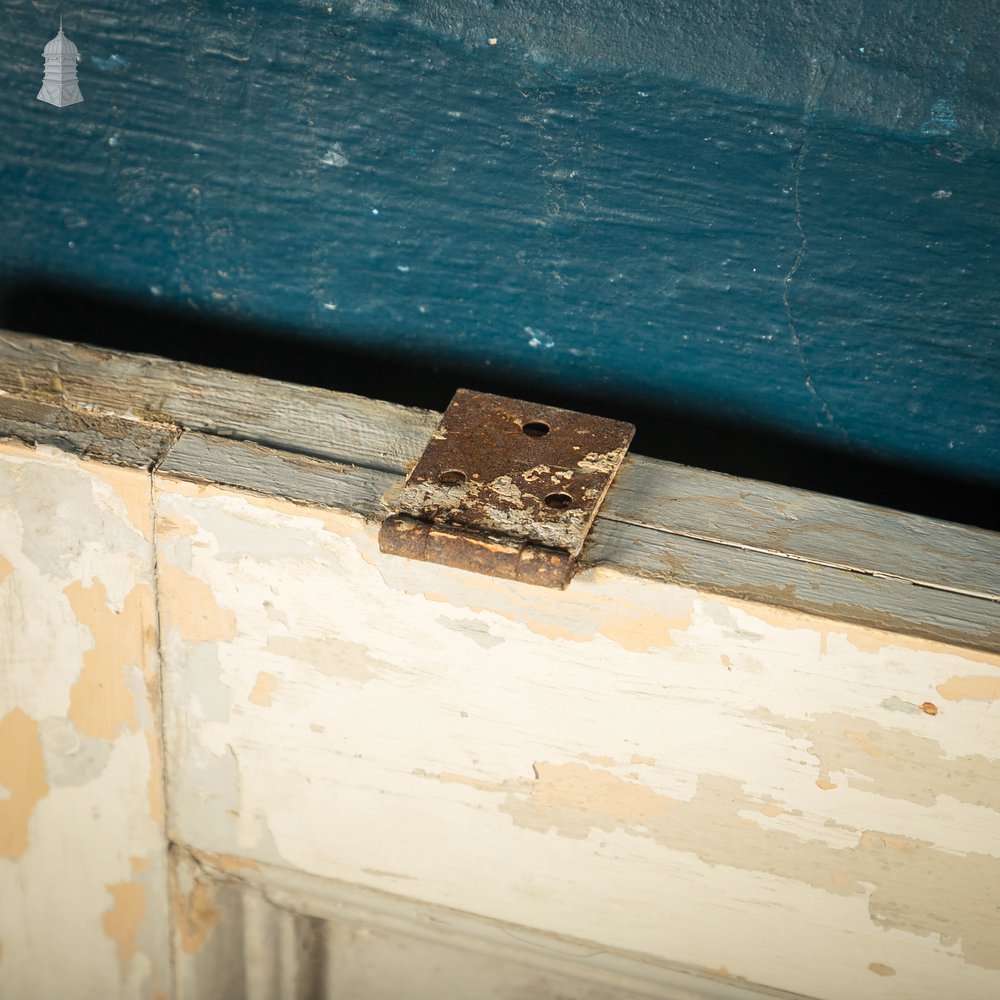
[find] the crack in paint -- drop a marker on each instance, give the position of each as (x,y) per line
(817,81)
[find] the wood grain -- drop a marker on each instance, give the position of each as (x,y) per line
(733,536)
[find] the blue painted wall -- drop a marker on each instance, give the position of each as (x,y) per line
(366,180)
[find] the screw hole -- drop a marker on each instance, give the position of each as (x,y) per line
(535,428)
(452,477)
(559,501)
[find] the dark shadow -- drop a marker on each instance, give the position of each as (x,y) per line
(676,434)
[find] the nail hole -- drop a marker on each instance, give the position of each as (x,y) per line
(452,477)
(558,501)
(535,428)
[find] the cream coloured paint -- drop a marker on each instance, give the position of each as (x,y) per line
(485,745)
(82,848)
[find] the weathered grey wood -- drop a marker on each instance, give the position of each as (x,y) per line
(203,458)
(782,546)
(337,426)
(807,526)
(858,598)
(99,436)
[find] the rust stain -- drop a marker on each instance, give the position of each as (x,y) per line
(22,775)
(121,921)
(6,568)
(882,970)
(132,487)
(100,702)
(726,662)
(195,913)
(929,708)
(188,605)
(263,689)
(138,864)
(970,689)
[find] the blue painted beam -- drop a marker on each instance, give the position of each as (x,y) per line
(366,183)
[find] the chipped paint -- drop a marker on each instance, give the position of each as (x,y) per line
(101,702)
(909,884)
(132,490)
(122,920)
(264,687)
(155,794)
(193,609)
(970,689)
(865,639)
(641,632)
(6,568)
(195,911)
(895,764)
(22,780)
(227,862)
(70,757)
(330,656)
(85,906)
(823,815)
(175,524)
(897,704)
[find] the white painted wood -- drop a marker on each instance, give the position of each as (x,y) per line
(695,779)
(82,847)
(289,935)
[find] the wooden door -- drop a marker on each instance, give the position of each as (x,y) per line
(750,750)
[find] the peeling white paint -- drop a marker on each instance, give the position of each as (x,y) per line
(84,908)
(388,709)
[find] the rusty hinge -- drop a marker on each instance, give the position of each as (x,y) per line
(506,488)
